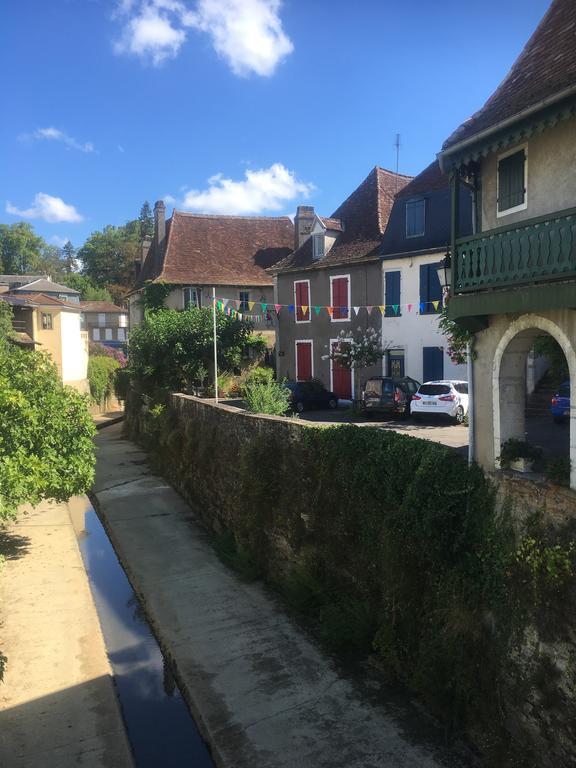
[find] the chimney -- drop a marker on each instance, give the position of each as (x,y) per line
(160,224)
(303,223)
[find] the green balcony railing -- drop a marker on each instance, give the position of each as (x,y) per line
(533,251)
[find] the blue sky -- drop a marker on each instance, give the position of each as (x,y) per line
(238,106)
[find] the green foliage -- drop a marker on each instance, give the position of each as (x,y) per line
(259,375)
(267,397)
(108,255)
(458,338)
(145,221)
(514,449)
(46,450)
(545,567)
(21,249)
(101,375)
(547,346)
(122,383)
(154,294)
(70,264)
(173,351)
(5,323)
(558,470)
(236,557)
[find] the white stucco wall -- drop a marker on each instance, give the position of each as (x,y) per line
(74,348)
(413,331)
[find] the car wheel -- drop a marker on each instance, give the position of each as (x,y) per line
(332,403)
(300,407)
(459,417)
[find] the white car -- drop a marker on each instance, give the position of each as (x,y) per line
(448,398)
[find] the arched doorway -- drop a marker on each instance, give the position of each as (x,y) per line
(509,381)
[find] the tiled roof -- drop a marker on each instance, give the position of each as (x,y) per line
(428,180)
(39,300)
(364,215)
(333,224)
(101,306)
(42,285)
(546,67)
(221,250)
(21,279)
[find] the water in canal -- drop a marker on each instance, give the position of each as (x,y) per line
(160,728)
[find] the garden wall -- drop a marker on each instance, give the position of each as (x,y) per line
(394,546)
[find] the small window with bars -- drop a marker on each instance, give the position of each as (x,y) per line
(512,182)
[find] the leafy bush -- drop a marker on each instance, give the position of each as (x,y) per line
(558,470)
(101,373)
(46,449)
(268,397)
(95,349)
(173,351)
(514,449)
(122,383)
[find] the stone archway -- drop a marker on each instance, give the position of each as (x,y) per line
(509,380)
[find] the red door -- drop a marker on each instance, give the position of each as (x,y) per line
(341,379)
(303,361)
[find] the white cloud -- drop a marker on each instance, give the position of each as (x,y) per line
(247,34)
(268,189)
(48,208)
(55,134)
(59,241)
(169,200)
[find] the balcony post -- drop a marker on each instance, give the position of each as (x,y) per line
(454,221)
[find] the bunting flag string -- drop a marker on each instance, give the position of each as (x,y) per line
(240,309)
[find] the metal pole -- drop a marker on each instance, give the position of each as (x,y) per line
(215,345)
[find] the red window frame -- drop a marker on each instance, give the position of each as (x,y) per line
(308,374)
(339,299)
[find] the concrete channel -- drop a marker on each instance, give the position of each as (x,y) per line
(263,694)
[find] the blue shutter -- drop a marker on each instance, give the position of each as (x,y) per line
(424,286)
(430,289)
(392,293)
(432,363)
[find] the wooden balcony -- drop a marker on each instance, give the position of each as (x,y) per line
(533,251)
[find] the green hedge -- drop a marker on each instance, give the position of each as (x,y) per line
(388,543)
(101,372)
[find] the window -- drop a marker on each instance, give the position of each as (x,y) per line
(415,218)
(121,334)
(123,321)
(96,334)
(302,300)
(101,318)
(46,321)
(191,297)
(430,290)
(318,245)
(63,296)
(244,299)
(392,294)
(108,334)
(461,388)
(340,297)
(512,182)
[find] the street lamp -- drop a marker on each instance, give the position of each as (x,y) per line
(445,273)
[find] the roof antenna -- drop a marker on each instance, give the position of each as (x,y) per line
(397,145)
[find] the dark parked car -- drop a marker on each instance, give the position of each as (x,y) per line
(383,394)
(310,395)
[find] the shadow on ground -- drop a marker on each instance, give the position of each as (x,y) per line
(13,546)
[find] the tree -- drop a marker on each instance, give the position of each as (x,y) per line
(21,249)
(173,351)
(108,255)
(70,263)
(50,262)
(357,351)
(146,221)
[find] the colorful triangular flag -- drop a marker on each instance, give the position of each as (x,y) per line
(304,309)
(264,307)
(395,307)
(317,310)
(382,308)
(409,307)
(369,309)
(330,310)
(251,305)
(436,304)
(277,307)
(356,310)
(422,307)
(290,307)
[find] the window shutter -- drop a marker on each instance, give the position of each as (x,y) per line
(424,284)
(340,298)
(392,294)
(511,190)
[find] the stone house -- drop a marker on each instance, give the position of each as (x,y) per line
(105,322)
(193,253)
(48,287)
(54,326)
(515,279)
(333,281)
(413,245)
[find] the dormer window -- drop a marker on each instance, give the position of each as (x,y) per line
(415,218)
(318,245)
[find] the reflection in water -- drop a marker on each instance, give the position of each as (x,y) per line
(160,728)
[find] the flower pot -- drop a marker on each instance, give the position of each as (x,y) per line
(522,465)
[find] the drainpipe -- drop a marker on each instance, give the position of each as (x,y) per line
(471,410)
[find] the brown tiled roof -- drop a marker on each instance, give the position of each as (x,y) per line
(333,224)
(546,67)
(364,215)
(41,284)
(42,300)
(222,250)
(429,180)
(101,306)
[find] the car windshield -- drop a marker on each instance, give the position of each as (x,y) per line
(408,385)
(434,389)
(312,387)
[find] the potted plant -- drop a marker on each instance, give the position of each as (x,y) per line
(518,455)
